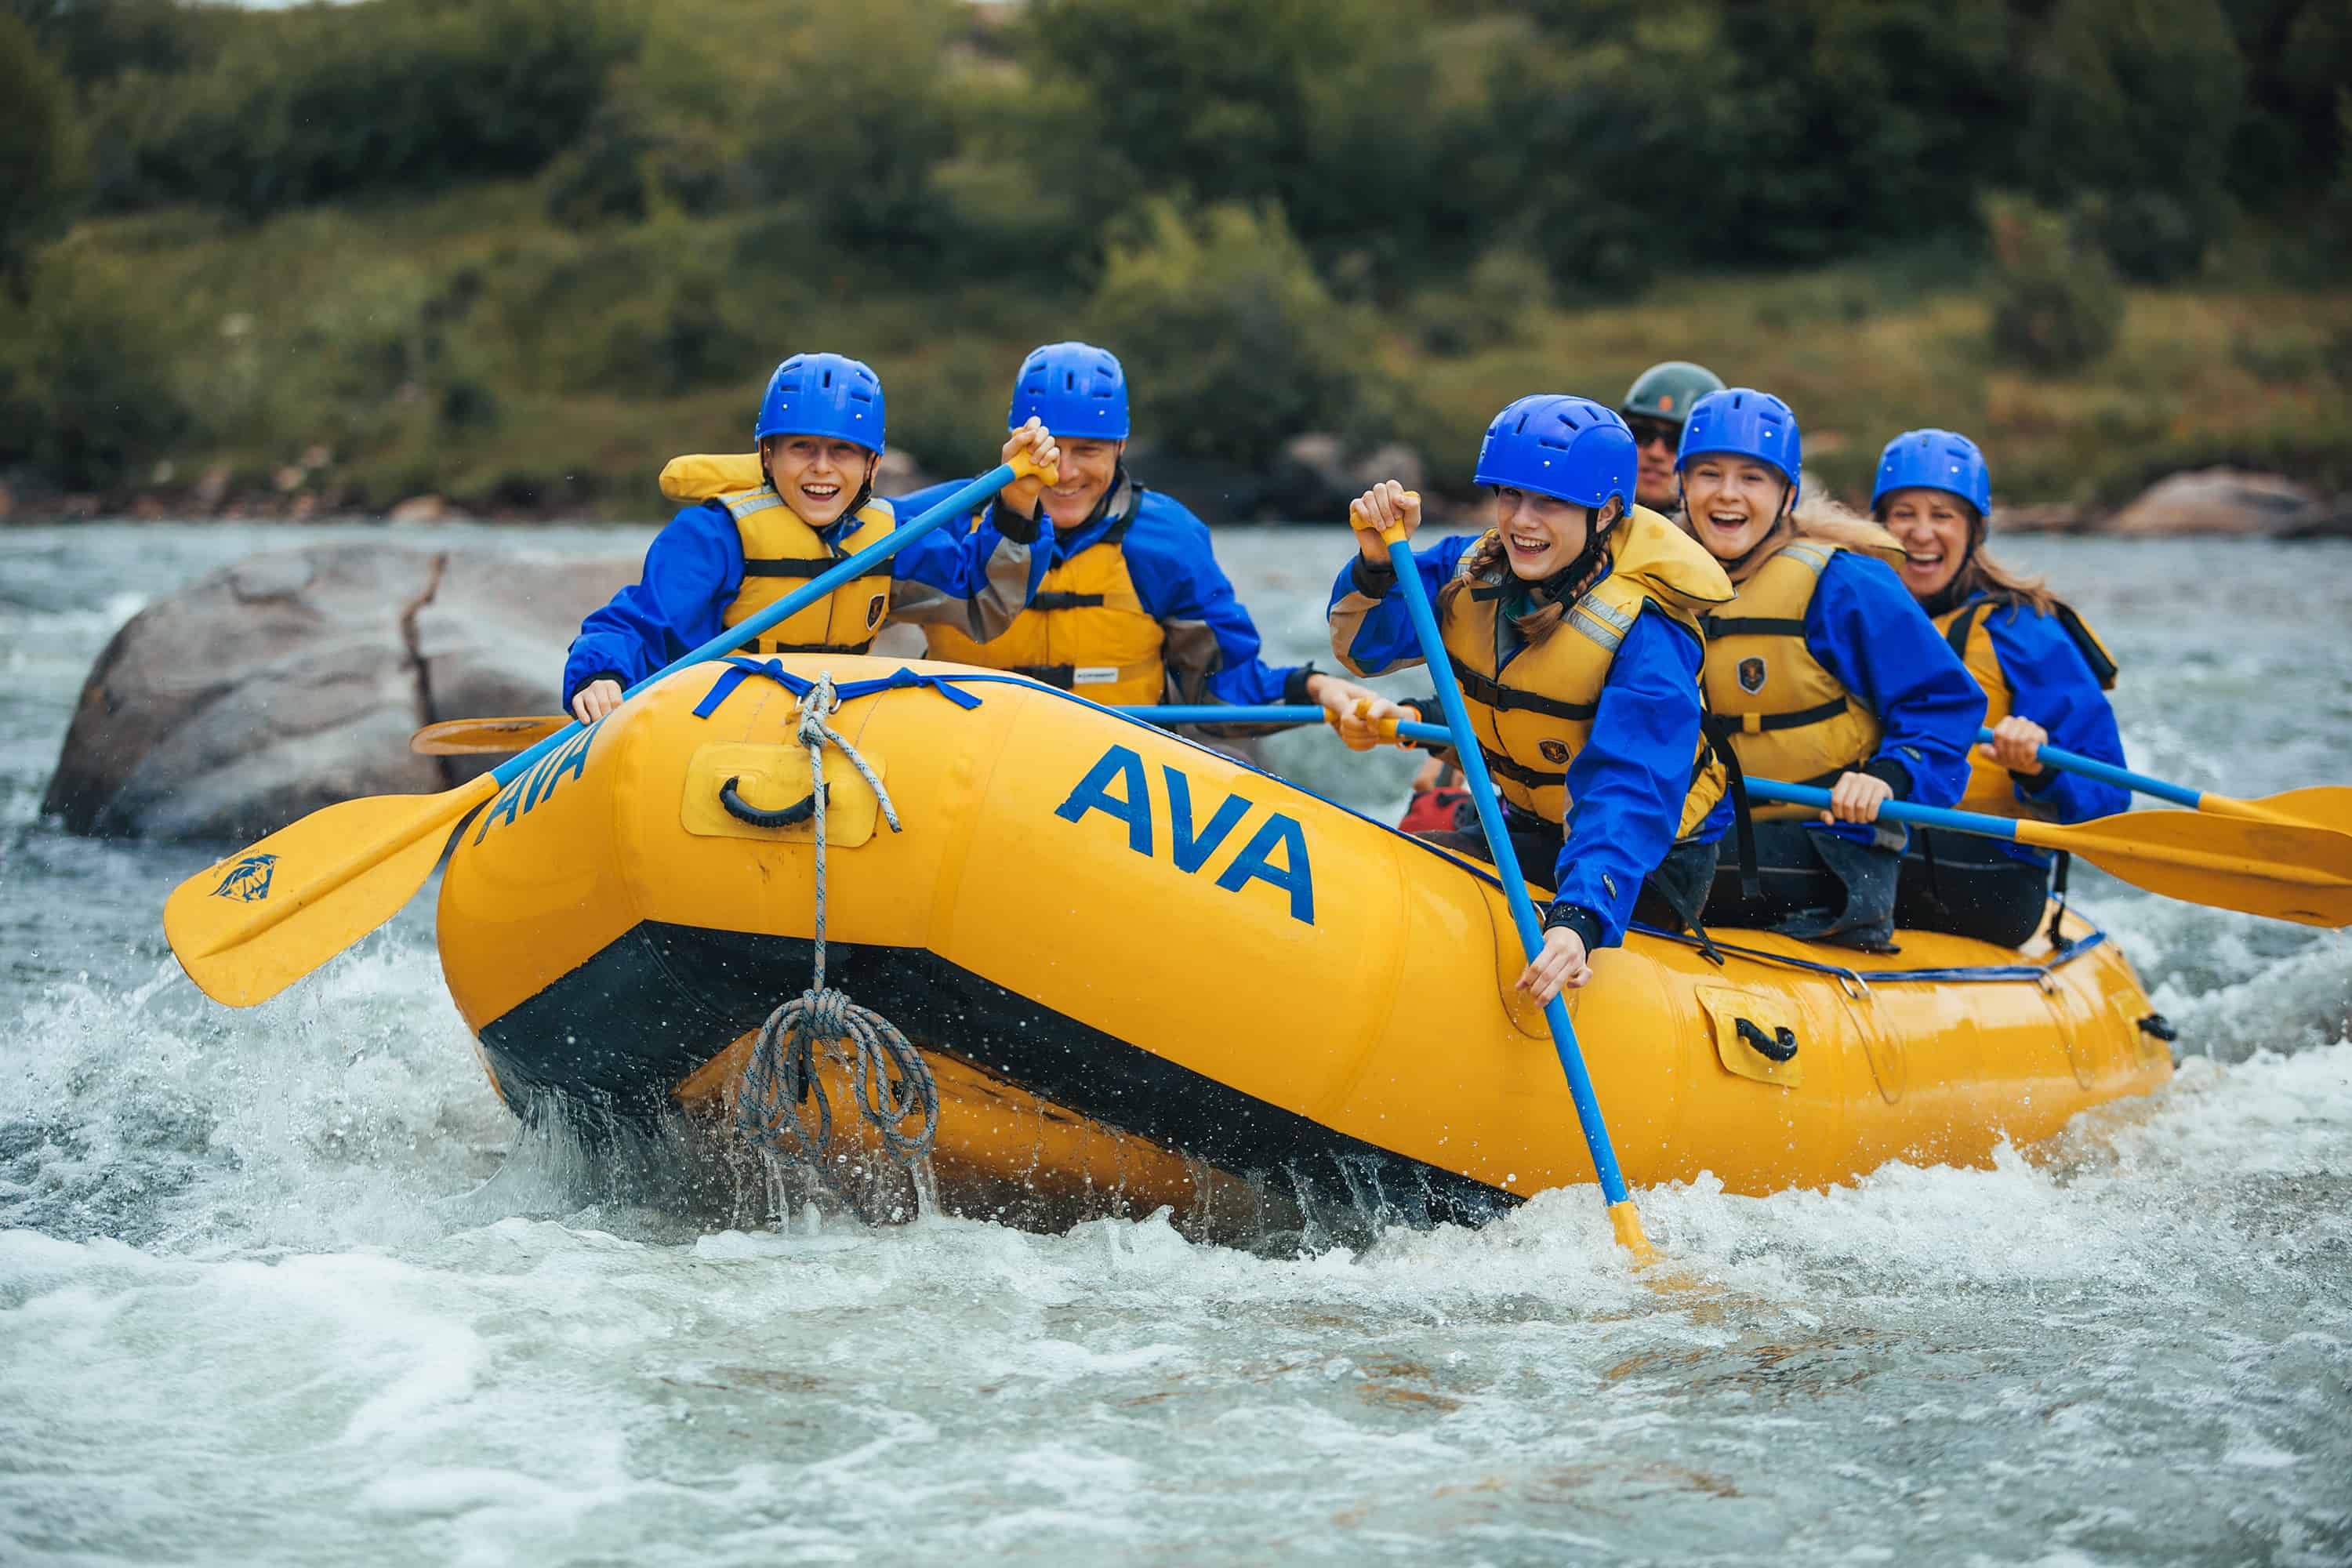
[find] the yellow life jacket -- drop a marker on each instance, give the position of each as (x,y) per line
(1785,716)
(1968,628)
(1085,630)
(1535,713)
(781,554)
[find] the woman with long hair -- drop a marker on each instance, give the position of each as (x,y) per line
(2044,674)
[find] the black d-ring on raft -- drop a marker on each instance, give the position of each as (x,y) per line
(1779,1048)
(742,810)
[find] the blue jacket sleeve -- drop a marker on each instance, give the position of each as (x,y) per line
(1627,786)
(1212,645)
(1371,627)
(1868,632)
(2049,683)
(693,569)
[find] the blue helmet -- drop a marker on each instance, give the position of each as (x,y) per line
(1075,390)
(1933,460)
(1749,423)
(824,395)
(1569,447)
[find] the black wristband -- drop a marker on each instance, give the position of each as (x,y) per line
(1892,773)
(1014,526)
(1294,685)
(1372,581)
(1577,919)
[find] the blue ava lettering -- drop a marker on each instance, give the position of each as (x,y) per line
(1117,787)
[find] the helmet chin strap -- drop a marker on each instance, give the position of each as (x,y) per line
(1595,538)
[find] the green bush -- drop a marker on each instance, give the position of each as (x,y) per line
(40,147)
(89,388)
(2057,303)
(1493,300)
(336,101)
(1231,344)
(2137,105)
(853,133)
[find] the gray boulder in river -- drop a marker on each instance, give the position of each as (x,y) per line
(293,680)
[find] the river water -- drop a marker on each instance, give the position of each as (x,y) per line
(285,1286)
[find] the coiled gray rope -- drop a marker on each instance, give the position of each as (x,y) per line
(896,1092)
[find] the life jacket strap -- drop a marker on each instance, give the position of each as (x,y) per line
(805,566)
(1491,693)
(1717,628)
(1070,677)
(1757,723)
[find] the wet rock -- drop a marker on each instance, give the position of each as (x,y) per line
(2228,501)
(419,509)
(294,679)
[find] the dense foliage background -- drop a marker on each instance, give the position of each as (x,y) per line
(518,251)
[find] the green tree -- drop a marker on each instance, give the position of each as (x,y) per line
(2056,302)
(1231,341)
(88,384)
(858,124)
(40,147)
(2137,104)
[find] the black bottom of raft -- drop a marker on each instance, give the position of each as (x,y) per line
(618,1033)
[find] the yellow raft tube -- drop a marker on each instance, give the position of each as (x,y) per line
(1144,973)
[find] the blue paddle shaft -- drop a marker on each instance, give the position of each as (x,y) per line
(1464,741)
(825,583)
(1893,811)
(2108,773)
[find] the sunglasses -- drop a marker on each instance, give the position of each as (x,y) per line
(1648,430)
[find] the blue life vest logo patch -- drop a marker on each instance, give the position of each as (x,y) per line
(247,881)
(1751,675)
(1554,752)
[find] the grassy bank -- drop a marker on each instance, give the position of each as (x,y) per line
(467,346)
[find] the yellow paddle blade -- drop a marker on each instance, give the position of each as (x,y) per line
(2322,806)
(483,737)
(2286,871)
(253,924)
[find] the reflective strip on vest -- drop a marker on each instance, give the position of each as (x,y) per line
(779,552)
(1783,714)
(1085,630)
(1534,717)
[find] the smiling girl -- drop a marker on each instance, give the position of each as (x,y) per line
(726,557)
(1823,671)
(2044,674)
(1572,625)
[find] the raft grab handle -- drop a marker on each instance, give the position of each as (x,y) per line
(1780,1046)
(742,810)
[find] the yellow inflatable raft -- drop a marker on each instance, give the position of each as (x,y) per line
(1143,973)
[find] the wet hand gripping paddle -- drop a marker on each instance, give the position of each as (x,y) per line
(2322,806)
(251,925)
(1623,1215)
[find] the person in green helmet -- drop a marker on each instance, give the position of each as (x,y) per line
(1654,408)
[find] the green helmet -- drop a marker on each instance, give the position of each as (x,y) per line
(1667,391)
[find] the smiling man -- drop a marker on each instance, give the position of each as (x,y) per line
(1132,603)
(742,547)
(1655,408)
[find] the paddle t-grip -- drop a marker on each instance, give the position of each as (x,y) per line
(1392,534)
(1025,465)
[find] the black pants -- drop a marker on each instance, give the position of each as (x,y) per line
(1813,886)
(1671,896)
(1957,882)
